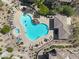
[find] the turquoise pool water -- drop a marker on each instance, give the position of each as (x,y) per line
(32,31)
(17,31)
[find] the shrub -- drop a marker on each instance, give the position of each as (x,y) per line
(38,2)
(5,29)
(45,40)
(0,49)
(0,53)
(1,3)
(9,49)
(65,9)
(60,46)
(52,12)
(68,10)
(59,9)
(36,45)
(5,58)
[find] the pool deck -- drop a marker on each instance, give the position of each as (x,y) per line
(26,41)
(17,24)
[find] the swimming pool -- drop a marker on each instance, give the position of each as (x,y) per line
(17,31)
(32,31)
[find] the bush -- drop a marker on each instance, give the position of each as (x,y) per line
(39,2)
(59,9)
(45,40)
(43,10)
(9,49)
(0,49)
(52,12)
(5,58)
(60,46)
(68,10)
(0,53)
(1,3)
(36,45)
(5,29)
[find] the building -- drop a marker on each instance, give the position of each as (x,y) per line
(61,26)
(43,56)
(47,55)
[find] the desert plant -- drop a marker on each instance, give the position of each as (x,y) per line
(9,49)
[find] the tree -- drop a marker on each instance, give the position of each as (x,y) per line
(68,10)
(0,49)
(5,29)
(52,12)
(9,49)
(39,2)
(5,58)
(59,9)
(43,10)
(1,3)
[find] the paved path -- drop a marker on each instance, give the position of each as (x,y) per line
(50,43)
(47,45)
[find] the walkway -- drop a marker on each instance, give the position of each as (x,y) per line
(53,42)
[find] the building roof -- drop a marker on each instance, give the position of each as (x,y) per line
(44,56)
(65,21)
(63,24)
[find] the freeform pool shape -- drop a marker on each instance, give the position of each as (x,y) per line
(32,31)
